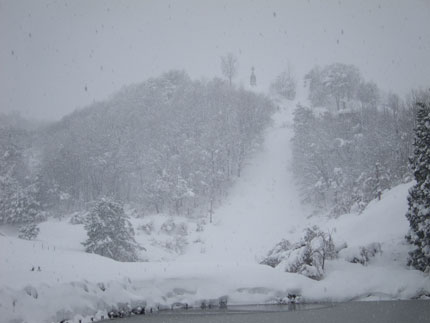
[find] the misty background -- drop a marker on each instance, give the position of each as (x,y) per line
(56,56)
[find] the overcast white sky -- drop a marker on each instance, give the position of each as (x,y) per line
(56,56)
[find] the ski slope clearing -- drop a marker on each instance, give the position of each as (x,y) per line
(264,205)
(221,260)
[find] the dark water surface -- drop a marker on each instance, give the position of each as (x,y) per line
(416,311)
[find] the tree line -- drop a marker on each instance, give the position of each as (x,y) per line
(169,144)
(353,142)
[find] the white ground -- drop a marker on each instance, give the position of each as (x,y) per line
(262,207)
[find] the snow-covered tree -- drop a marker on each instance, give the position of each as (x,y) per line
(341,82)
(368,95)
(284,85)
(21,205)
(418,213)
(29,231)
(317,93)
(110,233)
(337,83)
(20,200)
(361,254)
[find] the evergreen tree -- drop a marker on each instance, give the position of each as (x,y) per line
(110,234)
(19,191)
(29,231)
(18,204)
(419,195)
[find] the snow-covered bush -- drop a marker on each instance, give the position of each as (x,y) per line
(306,257)
(171,227)
(79,218)
(110,233)
(176,244)
(200,226)
(102,286)
(31,291)
(361,254)
(168,227)
(275,256)
(148,227)
(182,229)
(28,231)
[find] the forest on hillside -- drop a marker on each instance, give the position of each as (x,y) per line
(175,145)
(169,144)
(353,142)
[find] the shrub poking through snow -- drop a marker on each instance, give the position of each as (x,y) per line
(101,286)
(148,227)
(362,254)
(110,234)
(171,227)
(278,253)
(306,257)
(29,231)
(182,229)
(168,227)
(176,244)
(31,291)
(200,227)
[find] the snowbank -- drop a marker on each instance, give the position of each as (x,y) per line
(73,284)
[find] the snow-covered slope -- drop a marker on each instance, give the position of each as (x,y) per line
(72,284)
(262,208)
(264,205)
(386,275)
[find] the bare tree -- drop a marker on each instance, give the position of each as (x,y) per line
(285,85)
(229,66)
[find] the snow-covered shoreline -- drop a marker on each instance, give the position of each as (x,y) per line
(99,285)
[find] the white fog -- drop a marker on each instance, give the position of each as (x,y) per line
(53,49)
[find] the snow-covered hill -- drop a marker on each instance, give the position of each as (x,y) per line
(222,260)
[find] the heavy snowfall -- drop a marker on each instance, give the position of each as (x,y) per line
(308,184)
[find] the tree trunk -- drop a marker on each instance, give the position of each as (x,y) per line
(211,210)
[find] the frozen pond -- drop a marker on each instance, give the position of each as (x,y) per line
(353,312)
